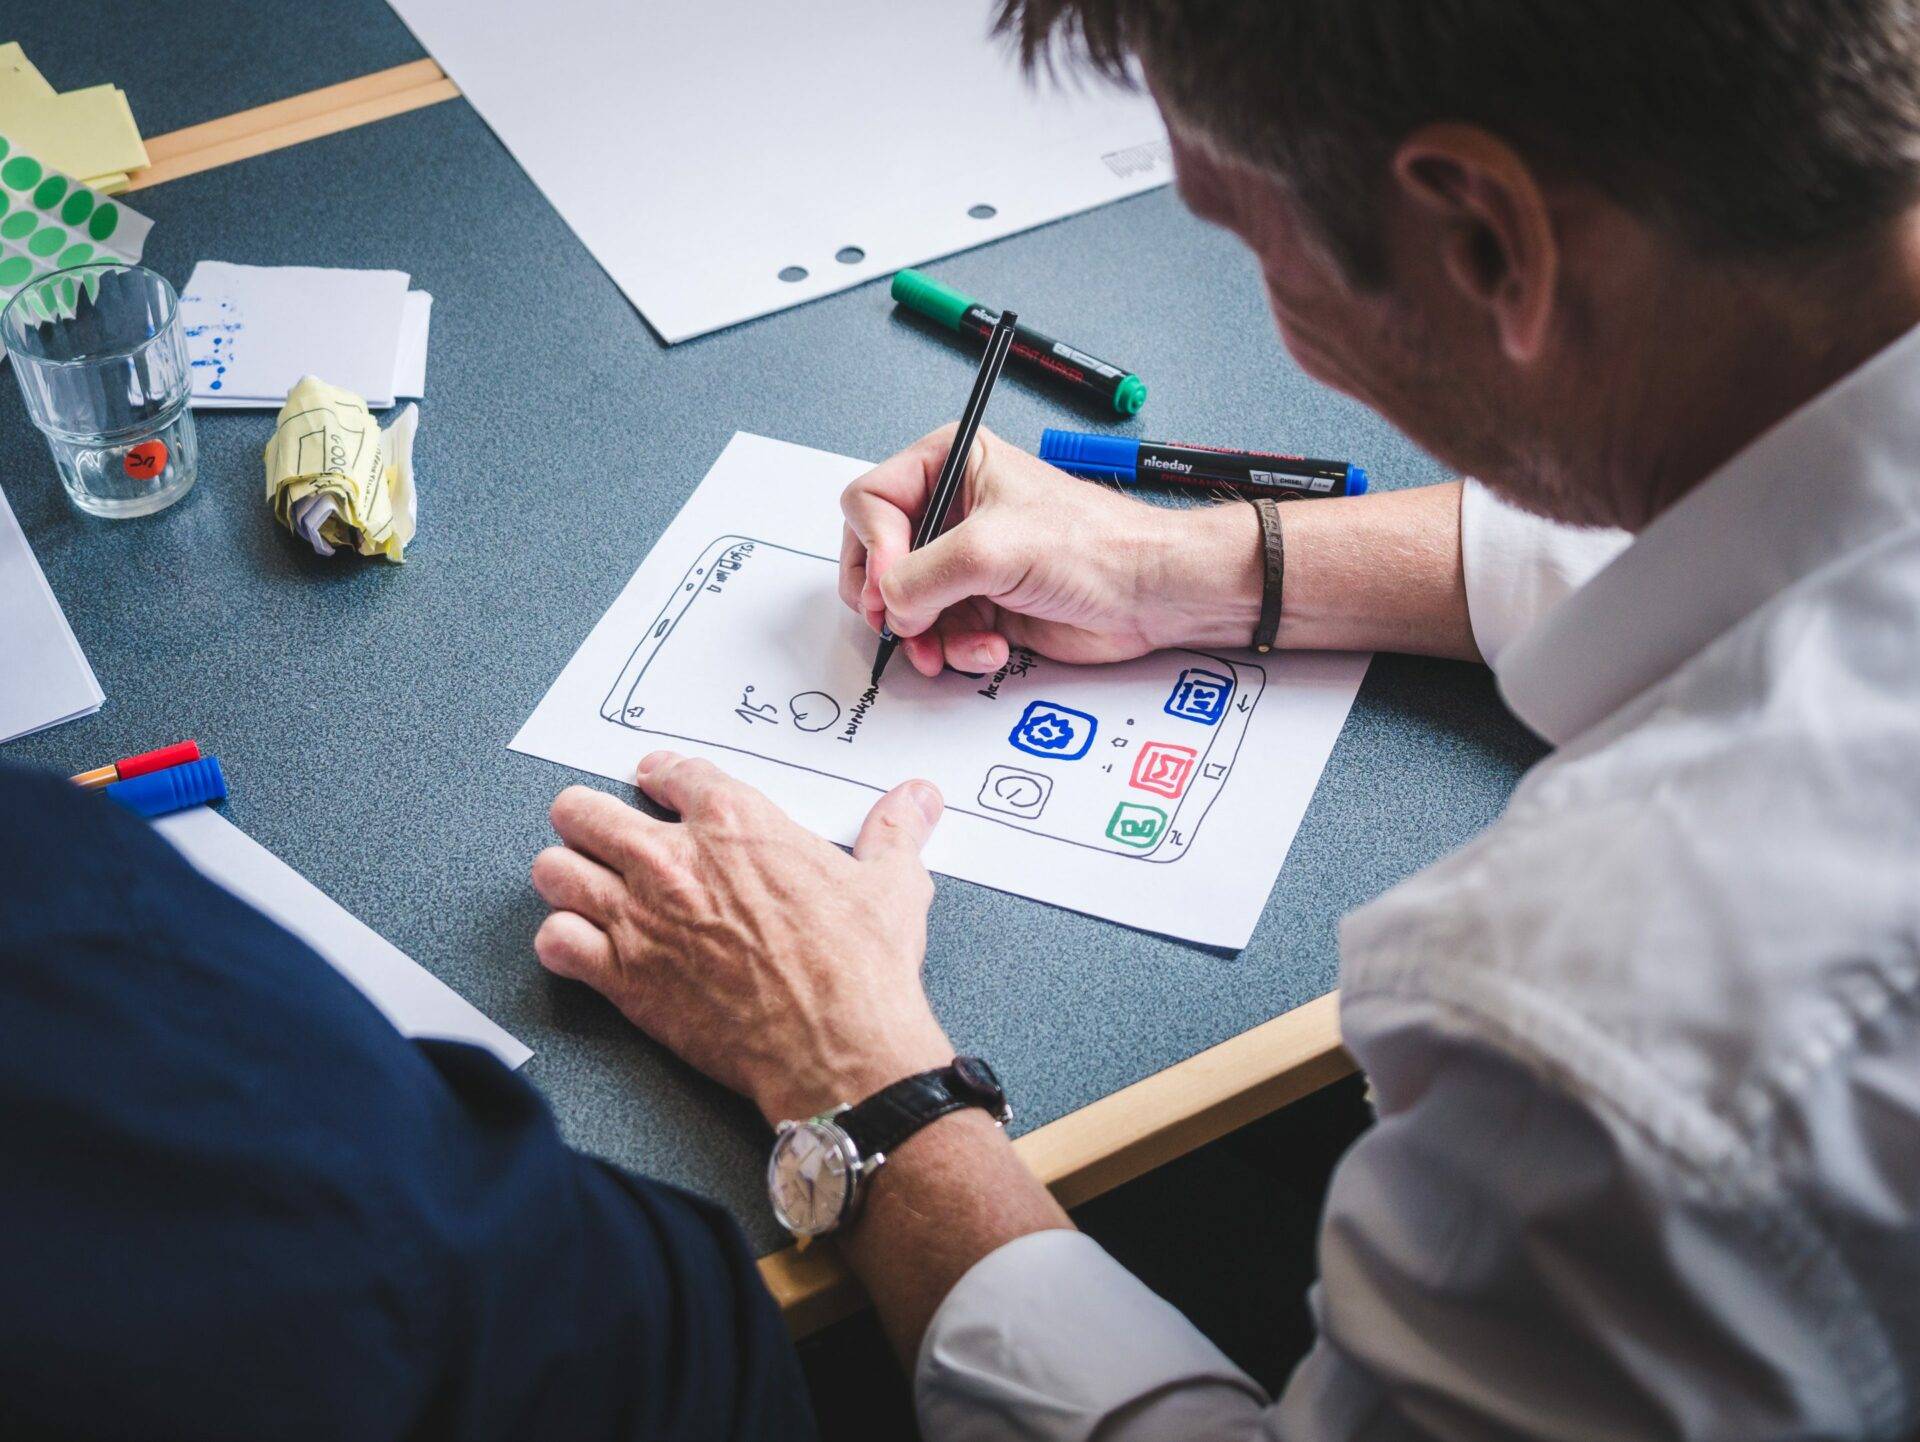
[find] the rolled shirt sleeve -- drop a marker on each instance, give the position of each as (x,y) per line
(1518,565)
(1049,1339)
(1499,1257)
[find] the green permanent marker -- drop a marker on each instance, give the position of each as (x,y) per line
(1087,376)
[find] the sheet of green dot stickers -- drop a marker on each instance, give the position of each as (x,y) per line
(49,221)
(1161,792)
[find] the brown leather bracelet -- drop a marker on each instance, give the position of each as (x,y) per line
(1274,562)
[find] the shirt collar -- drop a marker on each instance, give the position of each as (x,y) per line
(1830,478)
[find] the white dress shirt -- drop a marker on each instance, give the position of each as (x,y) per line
(1645,1053)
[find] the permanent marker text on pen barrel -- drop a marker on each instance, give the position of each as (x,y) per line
(1089,377)
(1257,473)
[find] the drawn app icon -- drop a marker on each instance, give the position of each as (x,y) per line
(1163,768)
(1136,825)
(1058,732)
(1014,792)
(1199,695)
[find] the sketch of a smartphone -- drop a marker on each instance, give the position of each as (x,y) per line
(1125,759)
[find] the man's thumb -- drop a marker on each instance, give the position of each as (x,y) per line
(900,823)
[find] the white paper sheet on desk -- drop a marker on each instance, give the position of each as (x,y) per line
(1162,793)
(416,1001)
(700,150)
(44,675)
(253,331)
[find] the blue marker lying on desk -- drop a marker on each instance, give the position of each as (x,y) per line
(1250,473)
(159,793)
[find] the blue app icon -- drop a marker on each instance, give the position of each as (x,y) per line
(1059,732)
(1199,695)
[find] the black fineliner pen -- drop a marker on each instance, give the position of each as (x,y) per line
(934,518)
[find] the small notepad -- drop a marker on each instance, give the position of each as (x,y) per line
(254,331)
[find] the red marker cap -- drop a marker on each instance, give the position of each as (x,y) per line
(174,755)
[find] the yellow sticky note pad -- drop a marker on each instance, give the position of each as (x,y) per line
(83,132)
(19,76)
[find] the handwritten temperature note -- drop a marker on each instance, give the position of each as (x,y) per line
(1161,793)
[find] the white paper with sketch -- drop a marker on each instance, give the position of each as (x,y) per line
(700,151)
(416,1001)
(44,675)
(1162,793)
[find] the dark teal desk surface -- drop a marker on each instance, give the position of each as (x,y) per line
(363,709)
(185,61)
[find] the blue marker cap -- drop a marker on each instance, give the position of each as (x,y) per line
(1109,458)
(1356,480)
(193,783)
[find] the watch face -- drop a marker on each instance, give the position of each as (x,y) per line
(810,1177)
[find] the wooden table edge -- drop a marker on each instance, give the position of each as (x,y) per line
(1119,1137)
(291,121)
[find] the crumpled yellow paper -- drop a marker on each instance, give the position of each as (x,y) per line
(336,479)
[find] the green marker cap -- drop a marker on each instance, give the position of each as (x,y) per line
(1131,395)
(931,298)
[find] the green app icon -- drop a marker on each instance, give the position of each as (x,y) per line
(1136,825)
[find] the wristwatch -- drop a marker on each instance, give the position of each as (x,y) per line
(821,1167)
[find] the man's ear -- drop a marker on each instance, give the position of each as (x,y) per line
(1499,246)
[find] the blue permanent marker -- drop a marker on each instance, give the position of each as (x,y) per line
(1250,473)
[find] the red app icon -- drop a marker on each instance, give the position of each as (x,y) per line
(1163,768)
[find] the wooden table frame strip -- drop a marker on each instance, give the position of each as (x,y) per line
(291,121)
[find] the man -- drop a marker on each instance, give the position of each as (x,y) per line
(236,1203)
(1646,1054)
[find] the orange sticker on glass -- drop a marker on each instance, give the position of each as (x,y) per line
(146,460)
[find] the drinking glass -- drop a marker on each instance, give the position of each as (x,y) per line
(102,365)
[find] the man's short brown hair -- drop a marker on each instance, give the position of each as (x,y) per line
(1757,127)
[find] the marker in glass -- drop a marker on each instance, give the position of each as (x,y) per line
(1088,376)
(1250,473)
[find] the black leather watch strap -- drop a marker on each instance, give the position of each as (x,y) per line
(894,1113)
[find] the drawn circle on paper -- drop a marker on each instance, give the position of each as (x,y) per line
(849,255)
(4,202)
(47,240)
(20,223)
(1019,792)
(77,254)
(105,219)
(794,273)
(78,207)
(145,461)
(814,711)
(22,172)
(69,293)
(982,211)
(4,147)
(14,269)
(50,192)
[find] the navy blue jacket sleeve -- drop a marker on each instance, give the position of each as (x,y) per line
(235,1203)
